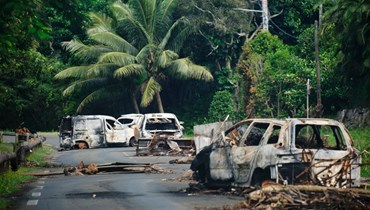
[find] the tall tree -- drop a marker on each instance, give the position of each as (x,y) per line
(294,17)
(349,22)
(221,28)
(21,25)
(136,47)
(275,78)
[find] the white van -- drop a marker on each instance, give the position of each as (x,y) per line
(92,131)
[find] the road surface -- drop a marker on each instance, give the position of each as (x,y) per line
(115,190)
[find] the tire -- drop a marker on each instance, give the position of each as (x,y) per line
(259,176)
(133,142)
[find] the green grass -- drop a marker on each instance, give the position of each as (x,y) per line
(11,182)
(40,155)
(6,147)
(361,140)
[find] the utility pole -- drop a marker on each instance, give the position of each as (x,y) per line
(265,15)
(264,11)
(319,106)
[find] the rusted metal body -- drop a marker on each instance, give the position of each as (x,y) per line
(316,151)
(92,131)
(162,134)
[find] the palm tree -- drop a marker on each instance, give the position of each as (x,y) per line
(137,47)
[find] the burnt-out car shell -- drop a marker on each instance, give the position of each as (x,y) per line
(318,151)
(92,131)
(161,124)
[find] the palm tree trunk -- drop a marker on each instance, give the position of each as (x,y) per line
(134,102)
(159,102)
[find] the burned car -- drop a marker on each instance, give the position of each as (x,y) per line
(132,123)
(161,133)
(91,131)
(312,151)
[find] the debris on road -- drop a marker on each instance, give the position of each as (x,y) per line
(93,168)
(306,196)
(187,176)
(163,145)
(184,160)
(276,196)
(162,134)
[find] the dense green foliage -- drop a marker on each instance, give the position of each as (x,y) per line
(264,74)
(222,105)
(135,49)
(348,22)
(277,78)
(28,93)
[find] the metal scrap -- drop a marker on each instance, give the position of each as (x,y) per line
(162,134)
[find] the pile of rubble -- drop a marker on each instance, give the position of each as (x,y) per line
(274,196)
(306,196)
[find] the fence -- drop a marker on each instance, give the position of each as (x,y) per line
(22,145)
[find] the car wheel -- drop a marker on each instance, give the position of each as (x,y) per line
(133,142)
(259,176)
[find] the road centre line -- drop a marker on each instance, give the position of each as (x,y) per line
(36,194)
(32,202)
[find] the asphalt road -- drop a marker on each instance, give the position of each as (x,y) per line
(114,190)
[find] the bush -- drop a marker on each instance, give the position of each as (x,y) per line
(222,105)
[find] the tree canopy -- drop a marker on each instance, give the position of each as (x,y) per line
(115,57)
(138,44)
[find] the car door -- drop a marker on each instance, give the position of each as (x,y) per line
(220,167)
(243,156)
(116,133)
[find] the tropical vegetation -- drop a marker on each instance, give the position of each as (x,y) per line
(199,59)
(134,50)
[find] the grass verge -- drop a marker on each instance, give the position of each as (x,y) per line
(12,182)
(361,140)
(6,147)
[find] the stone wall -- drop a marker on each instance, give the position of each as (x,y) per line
(358,117)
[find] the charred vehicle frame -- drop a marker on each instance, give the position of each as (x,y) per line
(161,134)
(315,151)
(92,131)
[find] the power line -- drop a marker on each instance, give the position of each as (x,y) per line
(286,33)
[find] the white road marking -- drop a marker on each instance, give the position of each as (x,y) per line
(36,194)
(32,202)
(41,182)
